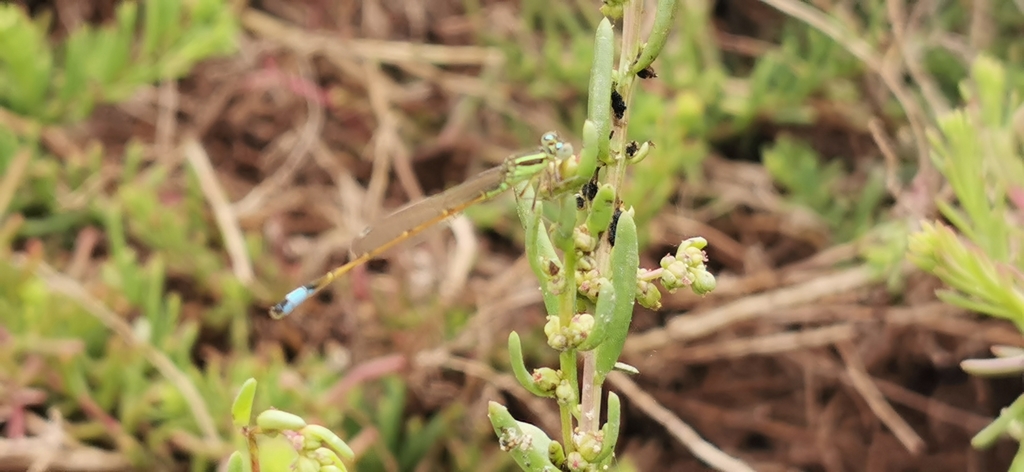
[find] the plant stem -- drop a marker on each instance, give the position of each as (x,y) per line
(590,396)
(567,361)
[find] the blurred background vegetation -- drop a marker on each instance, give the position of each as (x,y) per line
(170,168)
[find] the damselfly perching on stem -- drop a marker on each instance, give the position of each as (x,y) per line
(415,218)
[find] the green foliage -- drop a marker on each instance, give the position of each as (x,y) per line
(681,148)
(982,141)
(979,141)
(979,151)
(62,83)
(817,186)
(805,63)
(542,52)
(133,385)
(979,283)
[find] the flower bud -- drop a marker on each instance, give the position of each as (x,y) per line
(564,393)
(704,282)
(589,444)
(648,295)
(583,240)
(546,379)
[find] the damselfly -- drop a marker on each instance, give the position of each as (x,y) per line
(417,217)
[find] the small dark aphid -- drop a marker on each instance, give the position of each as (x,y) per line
(631,148)
(614,225)
(588,191)
(618,105)
(590,188)
(647,73)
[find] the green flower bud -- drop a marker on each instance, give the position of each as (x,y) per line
(589,444)
(583,240)
(693,257)
(579,329)
(558,342)
(648,295)
(675,275)
(586,263)
(590,285)
(668,279)
(552,326)
(576,462)
(703,283)
(547,379)
(565,394)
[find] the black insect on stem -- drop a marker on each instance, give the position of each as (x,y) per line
(588,191)
(613,225)
(631,148)
(618,105)
(590,188)
(647,73)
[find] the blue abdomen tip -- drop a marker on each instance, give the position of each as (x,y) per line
(290,302)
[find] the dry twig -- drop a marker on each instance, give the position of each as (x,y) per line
(704,450)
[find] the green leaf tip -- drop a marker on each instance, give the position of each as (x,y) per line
(278,420)
(599,100)
(241,409)
(236,463)
(588,156)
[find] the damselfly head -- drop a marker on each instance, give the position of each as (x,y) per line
(554,146)
(549,138)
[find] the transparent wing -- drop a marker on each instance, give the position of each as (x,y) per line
(416,217)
